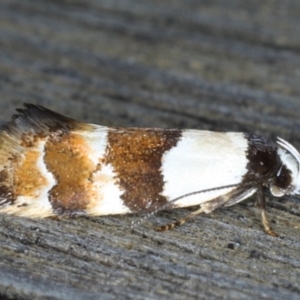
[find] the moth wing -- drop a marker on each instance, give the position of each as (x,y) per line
(22,143)
(204,160)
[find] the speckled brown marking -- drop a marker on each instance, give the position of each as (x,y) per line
(67,158)
(30,140)
(136,155)
(264,161)
(27,177)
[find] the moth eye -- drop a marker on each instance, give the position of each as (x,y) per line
(276,191)
(261,163)
(283,178)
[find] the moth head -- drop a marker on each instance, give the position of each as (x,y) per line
(287,180)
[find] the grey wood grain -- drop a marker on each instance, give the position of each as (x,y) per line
(218,65)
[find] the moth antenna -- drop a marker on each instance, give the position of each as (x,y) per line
(144,218)
(169,203)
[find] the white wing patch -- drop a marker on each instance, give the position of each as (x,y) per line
(97,141)
(107,199)
(203,160)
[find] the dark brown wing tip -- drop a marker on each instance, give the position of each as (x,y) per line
(38,119)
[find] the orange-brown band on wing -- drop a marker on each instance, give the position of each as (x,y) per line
(68,160)
(27,177)
(136,156)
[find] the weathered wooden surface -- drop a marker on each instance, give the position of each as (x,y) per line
(219,65)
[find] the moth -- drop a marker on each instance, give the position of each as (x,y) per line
(51,165)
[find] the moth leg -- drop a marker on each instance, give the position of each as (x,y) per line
(262,205)
(181,221)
